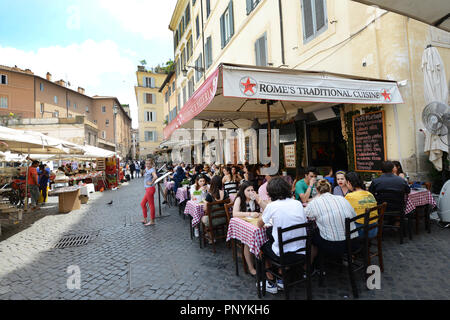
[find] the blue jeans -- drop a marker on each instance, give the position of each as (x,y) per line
(372,233)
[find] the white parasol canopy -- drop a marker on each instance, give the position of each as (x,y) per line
(435,89)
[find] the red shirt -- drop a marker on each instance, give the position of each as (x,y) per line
(32,172)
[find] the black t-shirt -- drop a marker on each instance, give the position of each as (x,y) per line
(210,198)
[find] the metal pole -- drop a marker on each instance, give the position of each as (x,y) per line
(269,133)
(25,205)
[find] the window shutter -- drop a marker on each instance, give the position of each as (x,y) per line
(257,53)
(154,116)
(155,136)
(320,14)
(152,82)
(263,50)
(222,31)
(308,27)
(230,8)
(145,98)
(249,6)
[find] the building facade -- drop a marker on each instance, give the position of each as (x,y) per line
(42,103)
(337,36)
(150,104)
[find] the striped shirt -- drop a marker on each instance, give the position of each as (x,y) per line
(230,187)
(330,212)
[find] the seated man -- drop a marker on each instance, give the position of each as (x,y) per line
(390,188)
(304,189)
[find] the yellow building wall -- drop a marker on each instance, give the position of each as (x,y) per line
(147,147)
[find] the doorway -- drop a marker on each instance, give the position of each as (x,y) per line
(326,145)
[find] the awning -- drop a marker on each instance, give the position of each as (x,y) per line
(234,94)
(435,13)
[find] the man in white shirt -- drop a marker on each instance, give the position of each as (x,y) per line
(282,212)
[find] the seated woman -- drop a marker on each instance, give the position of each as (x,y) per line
(214,194)
(199,190)
(247,204)
(398,171)
(329,211)
(360,200)
(282,212)
(340,188)
(230,184)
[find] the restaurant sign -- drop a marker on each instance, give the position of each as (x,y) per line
(307,87)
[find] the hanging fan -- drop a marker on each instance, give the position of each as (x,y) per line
(436,118)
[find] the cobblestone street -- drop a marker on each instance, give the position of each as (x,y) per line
(127,260)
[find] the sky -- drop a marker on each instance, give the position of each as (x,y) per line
(93,44)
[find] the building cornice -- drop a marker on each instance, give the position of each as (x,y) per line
(177,13)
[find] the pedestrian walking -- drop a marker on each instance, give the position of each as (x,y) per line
(149,179)
(142,167)
(33,184)
(43,181)
(132,169)
(138,169)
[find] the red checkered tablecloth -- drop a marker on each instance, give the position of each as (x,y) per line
(181,194)
(247,233)
(169,185)
(195,210)
(418,198)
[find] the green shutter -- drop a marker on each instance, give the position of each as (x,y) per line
(222,30)
(230,8)
(249,6)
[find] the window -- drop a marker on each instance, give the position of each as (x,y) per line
(74,105)
(150,116)
(183,59)
(193,2)
(177,67)
(67,103)
(56,114)
(261,51)
(149,82)
(55,99)
(173,87)
(151,136)
(103,109)
(315,19)
(149,98)
(103,134)
(170,90)
(175,40)
(3,79)
(41,86)
(197,27)
(191,87)
(42,108)
(4,102)
(251,4)
(187,14)
(208,53)
(208,8)
(87,109)
(70,115)
(198,64)
(184,95)
(227,25)
(179,99)
(166,96)
(107,122)
(95,121)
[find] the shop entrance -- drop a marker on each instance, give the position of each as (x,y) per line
(326,145)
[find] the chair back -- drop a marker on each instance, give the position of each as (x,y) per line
(307,237)
(395,200)
(213,210)
(229,210)
(376,221)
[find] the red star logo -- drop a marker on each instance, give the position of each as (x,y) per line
(386,95)
(248,86)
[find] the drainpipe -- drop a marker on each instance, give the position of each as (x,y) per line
(281,32)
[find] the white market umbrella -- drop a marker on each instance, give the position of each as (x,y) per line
(435,89)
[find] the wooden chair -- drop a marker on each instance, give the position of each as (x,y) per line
(379,238)
(356,252)
(288,269)
(397,215)
(217,221)
(235,243)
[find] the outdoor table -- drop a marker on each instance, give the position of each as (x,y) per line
(69,198)
(418,198)
(182,194)
(248,234)
(195,210)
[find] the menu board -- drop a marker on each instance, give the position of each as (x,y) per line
(290,155)
(369,141)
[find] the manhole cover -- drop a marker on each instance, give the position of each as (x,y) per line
(75,240)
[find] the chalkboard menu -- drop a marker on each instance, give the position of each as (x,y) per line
(369,141)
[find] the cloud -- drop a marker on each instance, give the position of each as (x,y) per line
(149,18)
(102,68)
